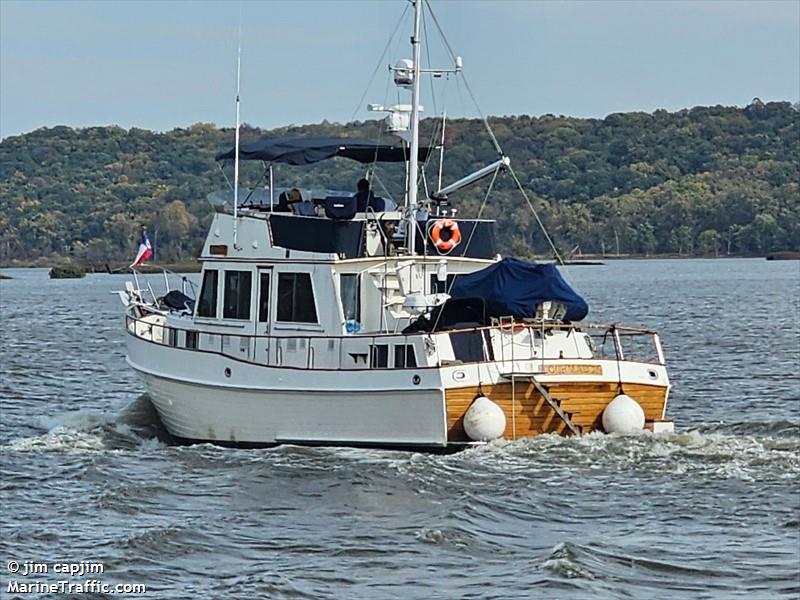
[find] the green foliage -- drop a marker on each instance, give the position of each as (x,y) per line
(706,181)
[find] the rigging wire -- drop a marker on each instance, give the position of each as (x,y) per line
(428,55)
(535,214)
(495,143)
(466,83)
(225,175)
(436,129)
(480,214)
(380,61)
(372,167)
(497,146)
(434,135)
(374,175)
(469,240)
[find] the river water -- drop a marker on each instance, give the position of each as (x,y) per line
(712,511)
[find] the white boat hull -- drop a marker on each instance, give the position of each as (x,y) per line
(235,416)
(358,408)
(207,396)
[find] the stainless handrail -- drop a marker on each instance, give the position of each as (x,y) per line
(371,340)
(165,271)
(622,330)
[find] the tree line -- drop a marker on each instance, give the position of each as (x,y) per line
(703,181)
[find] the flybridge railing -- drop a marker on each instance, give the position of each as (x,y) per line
(524,342)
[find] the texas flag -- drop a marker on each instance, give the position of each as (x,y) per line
(145,251)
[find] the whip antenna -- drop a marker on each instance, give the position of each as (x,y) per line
(441,151)
(236,144)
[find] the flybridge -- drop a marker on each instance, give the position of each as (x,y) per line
(360,237)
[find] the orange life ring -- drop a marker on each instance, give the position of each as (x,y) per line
(445,235)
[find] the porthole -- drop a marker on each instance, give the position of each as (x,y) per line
(227,372)
(416,379)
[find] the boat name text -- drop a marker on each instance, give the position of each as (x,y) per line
(573,369)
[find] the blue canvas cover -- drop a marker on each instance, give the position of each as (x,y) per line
(515,287)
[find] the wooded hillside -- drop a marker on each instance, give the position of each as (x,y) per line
(704,181)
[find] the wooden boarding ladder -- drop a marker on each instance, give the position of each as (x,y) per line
(531,378)
(554,404)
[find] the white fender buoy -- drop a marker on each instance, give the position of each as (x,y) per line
(623,415)
(484,420)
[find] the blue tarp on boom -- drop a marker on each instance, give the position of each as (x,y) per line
(514,287)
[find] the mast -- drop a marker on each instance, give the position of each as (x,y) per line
(413,167)
(236,150)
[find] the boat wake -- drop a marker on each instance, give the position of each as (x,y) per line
(137,426)
(744,451)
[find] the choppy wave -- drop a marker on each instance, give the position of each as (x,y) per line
(498,501)
(610,567)
(137,426)
(778,428)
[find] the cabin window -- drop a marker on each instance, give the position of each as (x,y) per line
(207,307)
(404,357)
(236,303)
(296,298)
(172,337)
(379,356)
(467,346)
(441,287)
(263,299)
(191,340)
(350,292)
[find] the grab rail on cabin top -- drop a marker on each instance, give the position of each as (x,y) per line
(249,349)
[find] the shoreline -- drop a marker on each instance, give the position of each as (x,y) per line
(187,266)
(193,265)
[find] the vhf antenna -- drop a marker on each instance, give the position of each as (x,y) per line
(236,145)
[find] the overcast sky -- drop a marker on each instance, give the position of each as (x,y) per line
(160,65)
